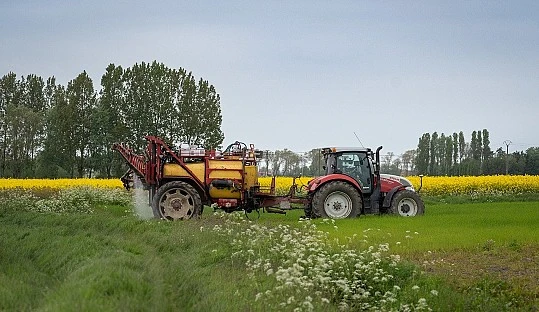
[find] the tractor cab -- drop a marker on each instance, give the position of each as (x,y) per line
(358,163)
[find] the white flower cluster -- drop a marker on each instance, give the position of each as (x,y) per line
(77,199)
(310,270)
(17,199)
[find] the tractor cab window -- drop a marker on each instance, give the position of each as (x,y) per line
(355,165)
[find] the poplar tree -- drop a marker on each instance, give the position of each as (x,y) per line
(448,155)
(473,146)
(462,146)
(433,165)
(423,154)
(33,99)
(487,152)
(82,99)
(58,156)
(109,122)
(479,152)
(8,99)
(455,148)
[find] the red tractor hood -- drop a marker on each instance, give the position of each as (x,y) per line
(389,181)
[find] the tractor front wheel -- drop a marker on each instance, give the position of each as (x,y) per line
(176,200)
(407,204)
(336,200)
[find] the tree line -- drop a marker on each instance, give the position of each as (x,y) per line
(50,130)
(451,155)
(436,154)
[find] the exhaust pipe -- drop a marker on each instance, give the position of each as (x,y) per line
(377,169)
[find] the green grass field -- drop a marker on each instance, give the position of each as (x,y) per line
(489,246)
(480,257)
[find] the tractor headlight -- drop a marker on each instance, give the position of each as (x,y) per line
(407,184)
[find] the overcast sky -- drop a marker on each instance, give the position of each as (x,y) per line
(304,74)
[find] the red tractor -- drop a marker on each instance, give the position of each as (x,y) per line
(352,185)
(181,182)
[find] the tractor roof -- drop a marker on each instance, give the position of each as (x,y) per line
(326,150)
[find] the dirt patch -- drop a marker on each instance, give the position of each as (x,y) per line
(509,271)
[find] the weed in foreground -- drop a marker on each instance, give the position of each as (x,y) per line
(308,271)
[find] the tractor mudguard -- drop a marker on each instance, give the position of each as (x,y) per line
(389,196)
(317,182)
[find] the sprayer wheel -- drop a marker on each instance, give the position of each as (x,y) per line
(336,200)
(177,200)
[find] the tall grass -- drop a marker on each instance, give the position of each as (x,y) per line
(108,259)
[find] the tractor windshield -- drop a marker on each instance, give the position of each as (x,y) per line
(354,164)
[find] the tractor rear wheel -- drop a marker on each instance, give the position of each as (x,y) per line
(407,204)
(176,200)
(336,200)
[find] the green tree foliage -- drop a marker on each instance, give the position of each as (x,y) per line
(386,162)
(487,152)
(110,123)
(455,148)
(434,160)
(48,130)
(22,107)
(475,146)
(171,105)
(82,102)
(456,157)
(58,157)
(448,155)
(408,158)
(423,154)
(8,99)
(316,167)
(462,146)
(532,161)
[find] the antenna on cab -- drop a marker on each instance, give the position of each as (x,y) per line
(358,139)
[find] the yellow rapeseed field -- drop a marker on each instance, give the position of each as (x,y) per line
(58,183)
(480,185)
(282,184)
(468,185)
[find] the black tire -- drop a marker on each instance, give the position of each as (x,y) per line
(407,204)
(176,200)
(336,200)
